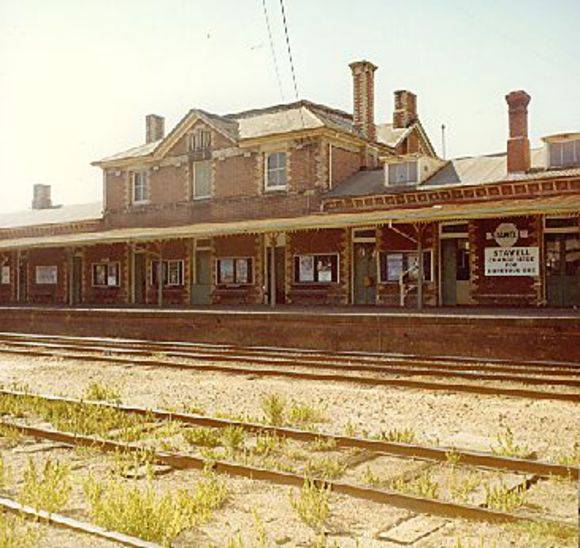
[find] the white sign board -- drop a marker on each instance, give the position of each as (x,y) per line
(512,261)
(46,275)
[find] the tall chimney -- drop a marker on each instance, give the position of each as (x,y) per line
(363,87)
(155,128)
(405,112)
(518,146)
(41,197)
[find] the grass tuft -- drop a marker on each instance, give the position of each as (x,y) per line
(273,407)
(312,505)
(97,391)
(14,533)
(47,488)
(504,499)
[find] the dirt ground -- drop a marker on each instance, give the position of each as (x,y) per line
(259,514)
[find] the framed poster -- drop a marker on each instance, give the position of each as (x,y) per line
(242,271)
(5,275)
(226,271)
(46,275)
(394,266)
(113,274)
(306,268)
(324,268)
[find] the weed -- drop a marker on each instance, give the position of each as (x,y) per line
(350,430)
(273,407)
(504,499)
(48,488)
(552,534)
(97,391)
(453,457)
(461,488)
(148,515)
(260,529)
(422,485)
(321,444)
(326,468)
(14,533)
(10,436)
(204,437)
(572,458)
(370,477)
(266,444)
(303,414)
(312,505)
(404,435)
(233,437)
(506,446)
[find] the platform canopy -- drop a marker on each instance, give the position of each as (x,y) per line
(554,205)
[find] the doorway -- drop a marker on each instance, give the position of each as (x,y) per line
(364,273)
(201,287)
(455,272)
(562,260)
(279,274)
(23,281)
(76,282)
(139,278)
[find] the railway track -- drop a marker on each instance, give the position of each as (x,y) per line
(206,361)
(438,454)
(416,504)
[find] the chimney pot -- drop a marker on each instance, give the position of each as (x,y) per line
(518,146)
(405,112)
(41,197)
(363,84)
(155,128)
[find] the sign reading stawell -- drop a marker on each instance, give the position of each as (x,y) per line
(512,261)
(507,260)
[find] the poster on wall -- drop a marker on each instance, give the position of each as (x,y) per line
(46,275)
(306,266)
(394,266)
(512,261)
(226,273)
(324,268)
(5,275)
(242,273)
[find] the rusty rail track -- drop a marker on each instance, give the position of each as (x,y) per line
(383,496)
(464,456)
(210,365)
(368,362)
(59,520)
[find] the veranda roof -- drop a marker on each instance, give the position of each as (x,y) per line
(554,205)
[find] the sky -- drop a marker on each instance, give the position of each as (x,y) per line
(77,77)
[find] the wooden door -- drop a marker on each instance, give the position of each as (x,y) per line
(365,273)
(139,278)
(562,269)
(449,272)
(77,284)
(201,289)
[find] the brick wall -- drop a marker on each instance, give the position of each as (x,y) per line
(312,242)
(344,164)
(404,238)
(240,246)
(503,290)
(238,176)
(169,184)
(117,253)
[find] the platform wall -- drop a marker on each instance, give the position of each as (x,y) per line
(505,337)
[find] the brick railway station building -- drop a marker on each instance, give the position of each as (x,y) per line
(302,204)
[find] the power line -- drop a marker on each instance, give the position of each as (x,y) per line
(289,48)
(273,51)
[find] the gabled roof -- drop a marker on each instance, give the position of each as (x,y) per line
(53,215)
(473,170)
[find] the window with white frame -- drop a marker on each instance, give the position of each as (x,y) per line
(402,173)
(276,171)
(201,179)
(564,153)
(140,187)
(106,274)
(5,277)
(234,270)
(172,273)
(46,275)
(395,263)
(200,140)
(321,268)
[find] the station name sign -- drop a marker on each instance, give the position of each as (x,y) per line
(512,261)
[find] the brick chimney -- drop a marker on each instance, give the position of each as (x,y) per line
(363,87)
(518,146)
(155,128)
(41,197)
(405,112)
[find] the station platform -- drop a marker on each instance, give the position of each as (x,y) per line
(506,334)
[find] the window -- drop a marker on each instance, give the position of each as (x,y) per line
(316,268)
(565,153)
(276,171)
(106,275)
(5,278)
(395,263)
(172,273)
(201,179)
(234,271)
(200,140)
(140,187)
(46,275)
(402,173)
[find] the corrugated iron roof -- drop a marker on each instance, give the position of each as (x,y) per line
(510,207)
(53,215)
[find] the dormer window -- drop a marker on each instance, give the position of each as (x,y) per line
(402,173)
(200,140)
(140,187)
(564,153)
